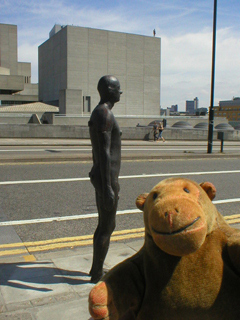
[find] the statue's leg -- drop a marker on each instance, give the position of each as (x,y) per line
(101,240)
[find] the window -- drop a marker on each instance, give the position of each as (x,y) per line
(86,104)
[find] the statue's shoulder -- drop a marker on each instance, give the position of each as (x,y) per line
(102,111)
(101,118)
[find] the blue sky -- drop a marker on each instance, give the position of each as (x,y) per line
(185,27)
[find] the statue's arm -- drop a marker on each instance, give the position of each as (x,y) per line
(104,141)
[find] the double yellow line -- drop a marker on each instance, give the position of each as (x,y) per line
(70,242)
(61,243)
(235,218)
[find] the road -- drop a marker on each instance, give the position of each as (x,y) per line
(49,206)
(152,149)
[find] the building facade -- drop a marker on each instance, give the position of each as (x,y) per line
(73,59)
(192,106)
(229,109)
(15,77)
(174,108)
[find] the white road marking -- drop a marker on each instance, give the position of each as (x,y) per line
(64,218)
(226,201)
(157,148)
(122,177)
(87,216)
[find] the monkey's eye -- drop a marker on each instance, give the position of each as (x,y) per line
(186,190)
(155,196)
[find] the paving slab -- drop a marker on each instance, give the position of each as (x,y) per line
(24,282)
(116,254)
(75,271)
(62,311)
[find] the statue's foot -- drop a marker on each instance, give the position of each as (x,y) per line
(101,303)
(95,277)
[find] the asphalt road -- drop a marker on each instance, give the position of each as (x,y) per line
(49,201)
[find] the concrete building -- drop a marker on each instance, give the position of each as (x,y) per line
(229,109)
(192,106)
(196,103)
(15,77)
(174,108)
(73,59)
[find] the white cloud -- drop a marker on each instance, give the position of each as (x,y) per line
(29,53)
(187,63)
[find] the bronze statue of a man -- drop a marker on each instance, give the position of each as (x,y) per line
(106,148)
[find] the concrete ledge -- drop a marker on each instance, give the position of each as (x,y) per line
(81,132)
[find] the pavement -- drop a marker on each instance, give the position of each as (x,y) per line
(55,284)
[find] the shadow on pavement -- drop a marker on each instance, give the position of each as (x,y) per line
(31,275)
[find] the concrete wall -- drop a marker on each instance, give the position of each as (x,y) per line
(52,67)
(24,69)
(13,83)
(81,132)
(127,121)
(20,119)
(19,73)
(8,45)
(71,99)
(4,71)
(75,58)
(30,89)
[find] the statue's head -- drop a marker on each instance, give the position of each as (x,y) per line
(109,88)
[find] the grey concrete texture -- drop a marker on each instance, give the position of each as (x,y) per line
(56,285)
(75,58)
(128,133)
(15,76)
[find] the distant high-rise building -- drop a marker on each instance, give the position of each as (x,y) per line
(174,108)
(196,102)
(192,106)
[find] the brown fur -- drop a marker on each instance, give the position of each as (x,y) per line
(188,268)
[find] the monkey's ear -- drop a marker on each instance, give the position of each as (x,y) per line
(210,189)
(140,201)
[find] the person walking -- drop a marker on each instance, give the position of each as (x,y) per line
(160,130)
(155,131)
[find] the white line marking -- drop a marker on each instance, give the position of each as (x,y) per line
(43,181)
(226,201)
(64,218)
(157,148)
(87,216)
(121,177)
(179,174)
(177,149)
